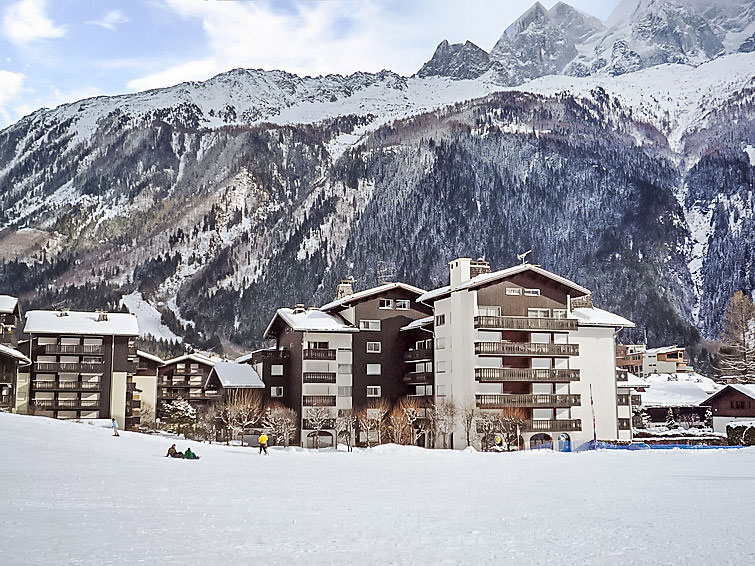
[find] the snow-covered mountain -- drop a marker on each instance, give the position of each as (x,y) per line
(227,198)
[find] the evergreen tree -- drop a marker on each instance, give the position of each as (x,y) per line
(670,420)
(180,417)
(737,354)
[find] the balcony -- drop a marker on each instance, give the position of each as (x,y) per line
(66,385)
(319,354)
(5,400)
(319,401)
(622,400)
(422,354)
(273,356)
(72,367)
(67,404)
(318,377)
(524,323)
(558,425)
(636,400)
(327,424)
(419,377)
(73,349)
(535,400)
(526,374)
(524,349)
(622,374)
(625,424)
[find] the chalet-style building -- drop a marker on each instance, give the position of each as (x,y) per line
(527,338)
(643,361)
(82,366)
(145,378)
(227,378)
(10,320)
(11,358)
(734,402)
(185,377)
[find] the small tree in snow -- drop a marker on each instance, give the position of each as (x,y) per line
(345,425)
(317,421)
(737,354)
(467,416)
(444,419)
(281,422)
(397,426)
(180,417)
(708,418)
(670,420)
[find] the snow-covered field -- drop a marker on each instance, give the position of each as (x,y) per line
(72,494)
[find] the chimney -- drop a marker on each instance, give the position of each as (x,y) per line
(63,312)
(102,317)
(478,267)
(345,288)
(299,308)
(460,271)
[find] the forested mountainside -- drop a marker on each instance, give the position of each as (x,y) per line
(228,198)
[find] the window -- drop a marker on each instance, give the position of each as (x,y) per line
(440,319)
(403,304)
(440,390)
(344,368)
(559,313)
(538,313)
(373,391)
(276,369)
(369,325)
(194,368)
(440,343)
(276,392)
(441,366)
(489,311)
(532,292)
(386,304)
(513,291)
(180,368)
(317,345)
(374,347)
(344,390)
(373,369)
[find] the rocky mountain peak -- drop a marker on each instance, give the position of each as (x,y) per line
(458,61)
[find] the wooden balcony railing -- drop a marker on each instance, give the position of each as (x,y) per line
(319,354)
(622,374)
(419,377)
(636,400)
(68,366)
(525,349)
(622,399)
(526,374)
(41,385)
(418,355)
(318,377)
(319,401)
(625,424)
(524,323)
(534,400)
(67,403)
(73,349)
(327,424)
(557,425)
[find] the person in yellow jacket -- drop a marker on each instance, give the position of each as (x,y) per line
(263,443)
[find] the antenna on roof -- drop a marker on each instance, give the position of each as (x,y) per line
(384,274)
(523,257)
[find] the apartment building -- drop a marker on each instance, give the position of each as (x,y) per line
(11,358)
(185,377)
(145,378)
(643,361)
(527,338)
(82,366)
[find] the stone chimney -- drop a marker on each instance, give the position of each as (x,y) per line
(299,308)
(345,288)
(460,271)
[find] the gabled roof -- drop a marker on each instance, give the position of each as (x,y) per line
(674,394)
(148,356)
(74,322)
(195,357)
(663,350)
(13,353)
(361,295)
(488,278)
(419,323)
(593,316)
(8,304)
(744,389)
(310,320)
(232,374)
(248,357)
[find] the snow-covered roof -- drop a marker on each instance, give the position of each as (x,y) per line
(310,320)
(487,278)
(248,357)
(663,350)
(8,304)
(13,353)
(148,356)
(633,381)
(369,293)
(593,316)
(232,374)
(194,357)
(74,322)
(743,388)
(419,323)
(674,394)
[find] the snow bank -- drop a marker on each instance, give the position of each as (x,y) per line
(74,494)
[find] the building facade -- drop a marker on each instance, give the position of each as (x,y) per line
(732,403)
(185,377)
(643,361)
(82,366)
(524,338)
(145,378)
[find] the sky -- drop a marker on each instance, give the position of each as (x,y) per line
(58,51)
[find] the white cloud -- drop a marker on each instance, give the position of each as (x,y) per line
(10,87)
(26,21)
(111,20)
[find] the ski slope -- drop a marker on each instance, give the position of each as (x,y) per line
(73,494)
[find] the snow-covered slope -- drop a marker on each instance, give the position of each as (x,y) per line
(76,495)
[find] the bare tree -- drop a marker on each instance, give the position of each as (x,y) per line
(737,354)
(487,422)
(345,425)
(376,412)
(511,422)
(281,422)
(444,418)
(397,426)
(414,415)
(249,409)
(317,420)
(467,416)
(366,424)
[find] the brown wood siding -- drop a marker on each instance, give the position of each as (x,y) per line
(732,403)
(552,294)
(291,340)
